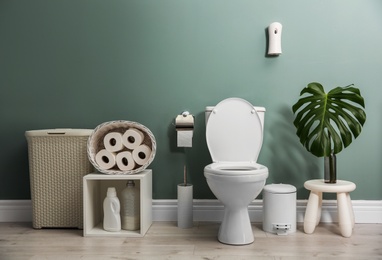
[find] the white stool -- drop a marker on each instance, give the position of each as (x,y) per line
(345,208)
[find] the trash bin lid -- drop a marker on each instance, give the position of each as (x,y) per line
(280,188)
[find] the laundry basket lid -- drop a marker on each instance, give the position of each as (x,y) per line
(59,132)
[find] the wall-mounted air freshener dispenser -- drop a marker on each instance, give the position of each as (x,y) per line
(274,33)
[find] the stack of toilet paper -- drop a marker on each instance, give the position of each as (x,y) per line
(125,151)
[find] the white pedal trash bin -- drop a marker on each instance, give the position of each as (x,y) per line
(279,209)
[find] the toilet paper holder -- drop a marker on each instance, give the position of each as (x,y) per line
(184,121)
(184,125)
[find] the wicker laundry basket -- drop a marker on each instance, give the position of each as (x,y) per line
(57,162)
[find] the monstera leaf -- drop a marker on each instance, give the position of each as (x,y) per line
(327,122)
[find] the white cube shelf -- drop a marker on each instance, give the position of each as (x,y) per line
(95,187)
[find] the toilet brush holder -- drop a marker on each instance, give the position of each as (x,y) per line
(185,204)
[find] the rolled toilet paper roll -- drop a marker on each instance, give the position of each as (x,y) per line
(105,159)
(132,138)
(185,138)
(141,154)
(125,161)
(113,142)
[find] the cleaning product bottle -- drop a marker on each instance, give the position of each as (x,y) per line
(111,209)
(130,214)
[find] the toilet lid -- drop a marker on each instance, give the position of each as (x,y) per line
(234,132)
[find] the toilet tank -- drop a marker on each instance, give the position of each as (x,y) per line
(259,110)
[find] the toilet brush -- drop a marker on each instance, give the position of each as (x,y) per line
(185,202)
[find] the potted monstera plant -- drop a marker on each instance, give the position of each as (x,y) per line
(327,123)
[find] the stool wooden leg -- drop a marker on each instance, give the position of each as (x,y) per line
(351,212)
(319,207)
(344,216)
(311,213)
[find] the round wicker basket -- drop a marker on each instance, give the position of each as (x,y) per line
(95,144)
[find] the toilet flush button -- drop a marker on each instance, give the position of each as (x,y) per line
(253,111)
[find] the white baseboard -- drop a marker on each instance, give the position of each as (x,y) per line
(365,211)
(15,210)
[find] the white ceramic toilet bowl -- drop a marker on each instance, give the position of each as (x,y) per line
(236,185)
(234,135)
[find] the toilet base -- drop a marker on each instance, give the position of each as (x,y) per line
(236,228)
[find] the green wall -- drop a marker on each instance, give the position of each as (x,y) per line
(78,63)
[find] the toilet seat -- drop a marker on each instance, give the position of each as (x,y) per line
(234,132)
(236,168)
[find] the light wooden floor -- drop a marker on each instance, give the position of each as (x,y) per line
(165,240)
